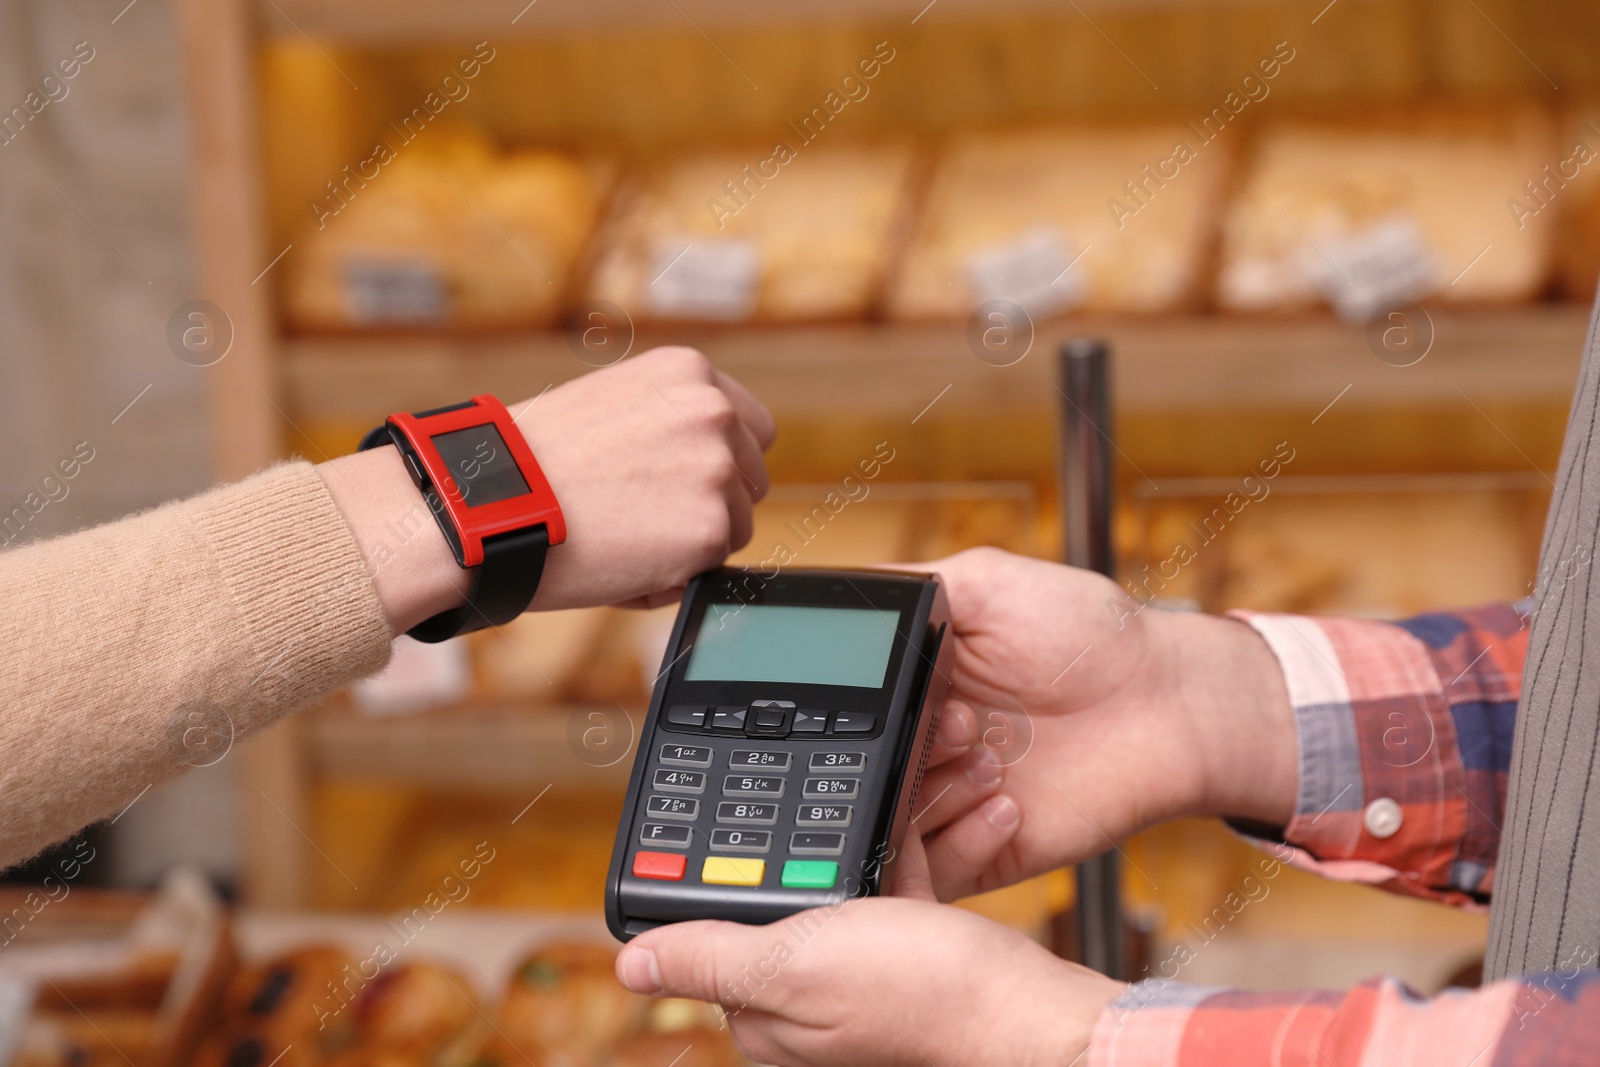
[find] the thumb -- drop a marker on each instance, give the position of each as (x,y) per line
(912,878)
(691,959)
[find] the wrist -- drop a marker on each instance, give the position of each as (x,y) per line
(411,566)
(1058,1025)
(1232,693)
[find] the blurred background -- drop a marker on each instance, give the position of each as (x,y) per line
(1352,242)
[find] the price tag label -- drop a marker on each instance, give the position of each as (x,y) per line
(703,278)
(378,293)
(1379,264)
(1034,271)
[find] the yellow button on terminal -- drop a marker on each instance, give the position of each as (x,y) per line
(720,870)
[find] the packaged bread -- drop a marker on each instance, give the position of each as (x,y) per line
(788,233)
(446,231)
(1053,219)
(564,1004)
(1568,186)
(1357,215)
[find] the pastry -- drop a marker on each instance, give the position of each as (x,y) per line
(415,1006)
(565,1001)
(298,998)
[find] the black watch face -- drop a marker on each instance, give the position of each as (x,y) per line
(481,464)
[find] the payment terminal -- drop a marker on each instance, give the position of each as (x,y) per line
(779,763)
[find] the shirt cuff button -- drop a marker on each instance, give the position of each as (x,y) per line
(1382,817)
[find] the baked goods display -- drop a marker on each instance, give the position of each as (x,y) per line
(450,231)
(1459,201)
(736,235)
(1063,218)
(1359,214)
(560,1006)
(91,977)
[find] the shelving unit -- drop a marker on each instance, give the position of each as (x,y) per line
(1163,365)
(1198,396)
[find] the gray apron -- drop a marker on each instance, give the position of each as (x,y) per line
(1546,908)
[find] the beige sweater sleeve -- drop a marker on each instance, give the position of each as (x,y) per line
(137,649)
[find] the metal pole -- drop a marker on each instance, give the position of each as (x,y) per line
(1084,477)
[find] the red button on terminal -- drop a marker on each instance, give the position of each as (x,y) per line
(663,866)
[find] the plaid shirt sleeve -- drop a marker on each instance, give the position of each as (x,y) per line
(1405,744)
(1542,1019)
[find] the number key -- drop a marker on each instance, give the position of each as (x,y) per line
(738,785)
(766,761)
(746,814)
(741,840)
(680,808)
(824,815)
(849,762)
(822,788)
(669,781)
(686,755)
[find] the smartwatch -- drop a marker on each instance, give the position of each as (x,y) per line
(490,499)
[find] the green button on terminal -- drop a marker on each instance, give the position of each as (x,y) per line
(810,874)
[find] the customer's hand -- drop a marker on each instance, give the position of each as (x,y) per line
(1109,720)
(656,462)
(878,982)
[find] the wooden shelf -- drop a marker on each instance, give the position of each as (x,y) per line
(398,21)
(481,749)
(1523,355)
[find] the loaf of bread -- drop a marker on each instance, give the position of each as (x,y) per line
(1360,214)
(449,232)
(805,233)
(1052,219)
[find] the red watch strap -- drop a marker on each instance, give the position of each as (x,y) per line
(501,543)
